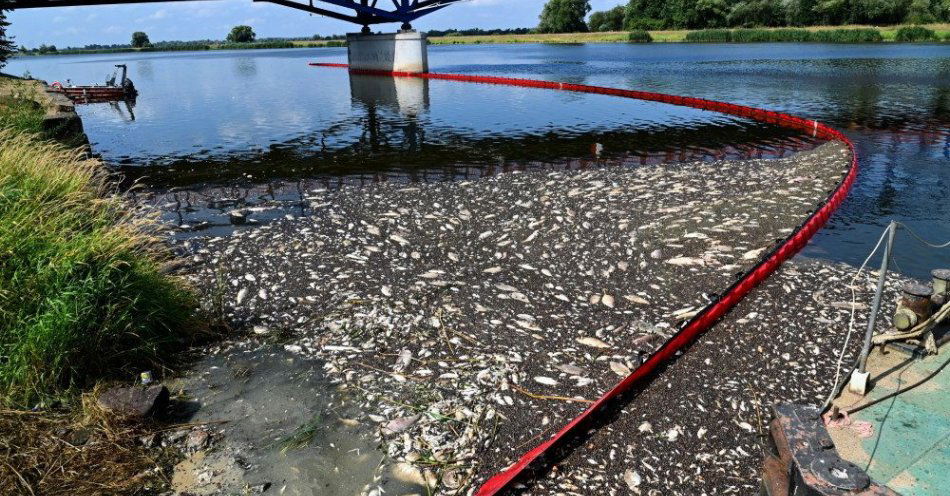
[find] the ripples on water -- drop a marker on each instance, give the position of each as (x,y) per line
(261,129)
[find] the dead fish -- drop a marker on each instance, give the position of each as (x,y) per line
(592,342)
(636,300)
(753,254)
(570,369)
(686,261)
(620,369)
(632,478)
(398,425)
(547,381)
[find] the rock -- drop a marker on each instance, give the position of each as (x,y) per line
(175,437)
(197,439)
(135,400)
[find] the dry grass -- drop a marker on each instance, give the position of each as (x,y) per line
(84,452)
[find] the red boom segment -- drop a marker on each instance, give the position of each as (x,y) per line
(714,311)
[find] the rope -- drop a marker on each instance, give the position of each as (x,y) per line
(899,391)
(836,388)
(922,240)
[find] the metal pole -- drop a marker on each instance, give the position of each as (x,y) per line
(876,303)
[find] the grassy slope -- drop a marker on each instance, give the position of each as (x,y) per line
(18,111)
(83,295)
(621,36)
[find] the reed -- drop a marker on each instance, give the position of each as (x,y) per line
(916,34)
(639,36)
(83,289)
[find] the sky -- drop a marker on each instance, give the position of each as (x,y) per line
(111,24)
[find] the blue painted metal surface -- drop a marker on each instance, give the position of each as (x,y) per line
(909,446)
(364,12)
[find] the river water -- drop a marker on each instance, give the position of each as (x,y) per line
(214,131)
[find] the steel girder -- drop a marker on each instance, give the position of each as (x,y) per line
(365,12)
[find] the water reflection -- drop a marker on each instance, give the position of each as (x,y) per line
(389,120)
(202,121)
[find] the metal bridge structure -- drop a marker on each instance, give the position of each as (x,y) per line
(362,12)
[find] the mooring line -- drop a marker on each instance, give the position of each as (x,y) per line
(704,320)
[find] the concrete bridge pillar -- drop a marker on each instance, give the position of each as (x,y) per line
(405,51)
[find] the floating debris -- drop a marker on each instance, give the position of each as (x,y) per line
(441,303)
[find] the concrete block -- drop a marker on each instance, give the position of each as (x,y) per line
(405,51)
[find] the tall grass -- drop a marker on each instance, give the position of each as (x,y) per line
(21,114)
(860,35)
(639,36)
(709,36)
(770,35)
(915,33)
(82,289)
(852,35)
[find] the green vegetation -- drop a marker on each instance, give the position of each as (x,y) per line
(254,45)
(83,293)
(770,35)
(916,33)
(861,35)
(564,16)
(639,36)
(241,34)
(718,14)
(709,36)
(6,45)
(140,40)
(17,111)
(608,20)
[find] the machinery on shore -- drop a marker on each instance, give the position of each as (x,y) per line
(882,435)
(115,89)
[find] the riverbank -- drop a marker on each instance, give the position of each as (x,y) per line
(29,106)
(816,34)
(85,301)
(887,34)
(193,47)
(468,319)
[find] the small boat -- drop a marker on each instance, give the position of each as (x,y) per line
(112,91)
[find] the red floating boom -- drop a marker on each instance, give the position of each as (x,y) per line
(718,308)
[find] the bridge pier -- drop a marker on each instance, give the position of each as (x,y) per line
(405,51)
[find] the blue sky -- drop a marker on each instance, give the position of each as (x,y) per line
(107,24)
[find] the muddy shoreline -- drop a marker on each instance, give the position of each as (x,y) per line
(467,320)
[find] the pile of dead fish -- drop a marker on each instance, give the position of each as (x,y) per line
(474,318)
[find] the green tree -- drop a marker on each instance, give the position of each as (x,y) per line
(140,40)
(644,14)
(608,20)
(241,34)
(924,12)
(752,13)
(801,12)
(564,16)
(6,44)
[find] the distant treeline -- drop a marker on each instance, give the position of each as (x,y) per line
(173,46)
(478,32)
(706,14)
